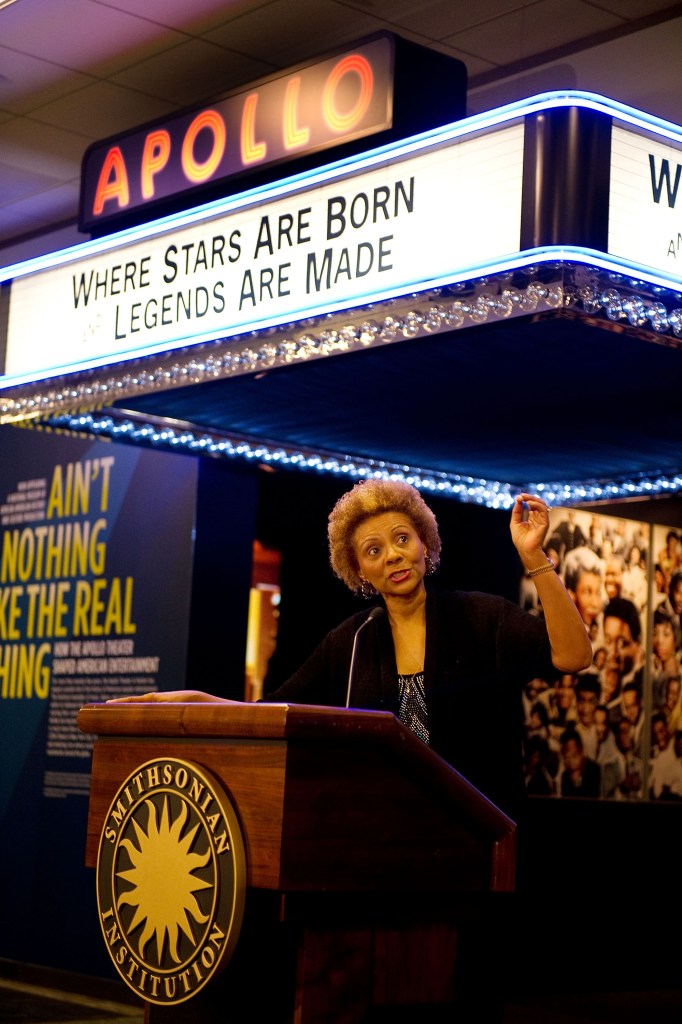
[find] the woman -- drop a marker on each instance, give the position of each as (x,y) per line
(665,661)
(452,665)
(583,579)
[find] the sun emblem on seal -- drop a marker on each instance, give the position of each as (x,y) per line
(163,880)
(170,880)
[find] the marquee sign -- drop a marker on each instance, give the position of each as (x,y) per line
(645,199)
(453,204)
(276,256)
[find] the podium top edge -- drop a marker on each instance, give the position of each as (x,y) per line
(292,722)
(228,720)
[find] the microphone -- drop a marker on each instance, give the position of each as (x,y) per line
(375,613)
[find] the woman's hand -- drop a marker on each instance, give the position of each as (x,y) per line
(529,531)
(172,697)
(571,646)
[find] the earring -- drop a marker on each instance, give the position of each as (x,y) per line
(430,567)
(366,589)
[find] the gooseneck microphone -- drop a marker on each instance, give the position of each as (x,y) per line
(375,613)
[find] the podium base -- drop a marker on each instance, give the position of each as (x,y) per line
(316,959)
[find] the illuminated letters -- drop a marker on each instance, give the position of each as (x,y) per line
(113,181)
(252,151)
(209,120)
(157,149)
(320,105)
(338,121)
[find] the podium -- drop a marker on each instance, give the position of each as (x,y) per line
(371,863)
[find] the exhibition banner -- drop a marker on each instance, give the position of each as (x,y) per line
(95,574)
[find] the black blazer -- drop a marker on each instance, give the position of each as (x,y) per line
(480,651)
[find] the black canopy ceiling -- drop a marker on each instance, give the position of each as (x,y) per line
(548,398)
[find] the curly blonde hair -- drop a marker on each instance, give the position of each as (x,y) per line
(371,498)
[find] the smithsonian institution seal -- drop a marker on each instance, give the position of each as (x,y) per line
(171,880)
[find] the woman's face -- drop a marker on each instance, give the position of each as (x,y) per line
(586,702)
(613,577)
(660,734)
(588,597)
(601,722)
(664,640)
(565,692)
(573,755)
(390,554)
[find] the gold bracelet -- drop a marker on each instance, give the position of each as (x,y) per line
(543,568)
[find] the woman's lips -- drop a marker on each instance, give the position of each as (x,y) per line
(398,577)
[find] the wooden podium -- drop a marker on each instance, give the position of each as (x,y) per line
(370,863)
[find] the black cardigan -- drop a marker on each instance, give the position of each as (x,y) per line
(480,651)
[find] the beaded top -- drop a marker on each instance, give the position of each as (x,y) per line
(412,711)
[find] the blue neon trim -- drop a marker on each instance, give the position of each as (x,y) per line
(637,274)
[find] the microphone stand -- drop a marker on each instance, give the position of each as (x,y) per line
(375,613)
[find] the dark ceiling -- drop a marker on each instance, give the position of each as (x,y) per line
(546,398)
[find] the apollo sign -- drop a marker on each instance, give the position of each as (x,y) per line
(312,108)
